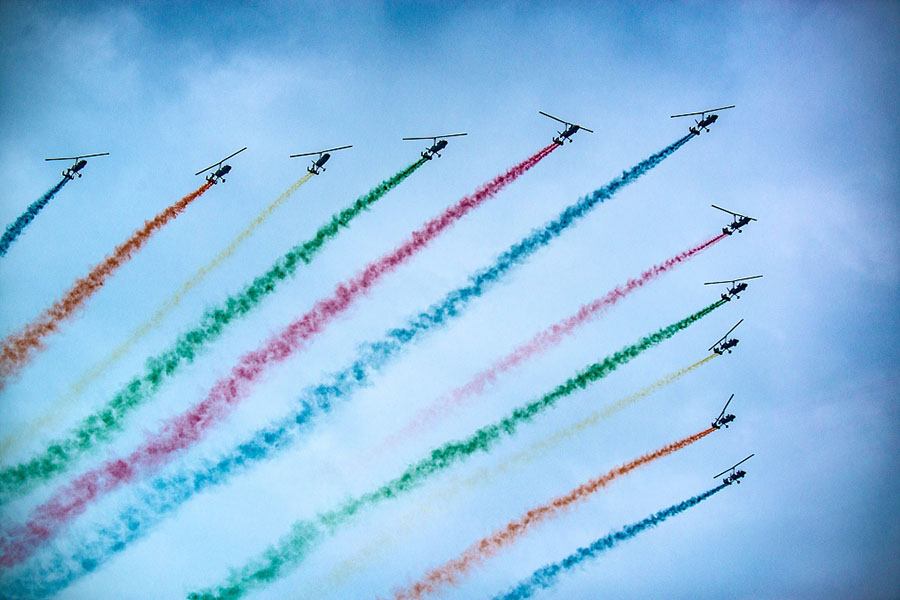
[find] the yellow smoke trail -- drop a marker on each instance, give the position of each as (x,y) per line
(442,497)
(52,414)
(540,447)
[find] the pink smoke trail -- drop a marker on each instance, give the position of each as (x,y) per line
(184,430)
(540,343)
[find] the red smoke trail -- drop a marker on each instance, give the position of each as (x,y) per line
(539,344)
(182,431)
(20,347)
(450,571)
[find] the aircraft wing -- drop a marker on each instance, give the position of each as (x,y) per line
(720,474)
(434,137)
(717,343)
(702,112)
(732,281)
(555,118)
(207,168)
(78,157)
(732,329)
(726,335)
(734,214)
(721,414)
(216,164)
(734,466)
(321,151)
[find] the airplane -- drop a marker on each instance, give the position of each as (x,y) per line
(723,419)
(722,345)
(704,121)
(735,476)
(77,165)
(221,170)
(570,130)
(316,166)
(436,146)
(738,222)
(736,288)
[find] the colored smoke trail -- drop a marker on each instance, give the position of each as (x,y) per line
(540,343)
(189,285)
(547,576)
(184,430)
(20,347)
(166,494)
(483,475)
(540,447)
(102,424)
(293,547)
(451,571)
(14,229)
(52,414)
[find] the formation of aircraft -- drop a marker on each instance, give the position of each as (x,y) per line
(704,121)
(738,220)
(722,345)
(737,286)
(221,170)
(317,163)
(438,143)
(78,165)
(566,134)
(736,475)
(723,420)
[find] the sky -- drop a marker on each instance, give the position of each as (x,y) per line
(811,150)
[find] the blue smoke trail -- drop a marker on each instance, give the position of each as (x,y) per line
(165,494)
(16,227)
(547,576)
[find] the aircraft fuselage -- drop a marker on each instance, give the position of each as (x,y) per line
(708,121)
(567,134)
(219,175)
(724,421)
(71,171)
(734,477)
(437,147)
(322,160)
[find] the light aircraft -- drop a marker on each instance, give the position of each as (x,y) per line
(317,163)
(735,476)
(77,165)
(723,420)
(738,221)
(436,146)
(722,345)
(736,288)
(221,170)
(570,130)
(704,121)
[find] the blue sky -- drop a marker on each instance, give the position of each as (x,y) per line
(811,151)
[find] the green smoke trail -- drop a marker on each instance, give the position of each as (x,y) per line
(105,422)
(166,493)
(304,535)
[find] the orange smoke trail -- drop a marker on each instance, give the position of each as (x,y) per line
(450,571)
(19,348)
